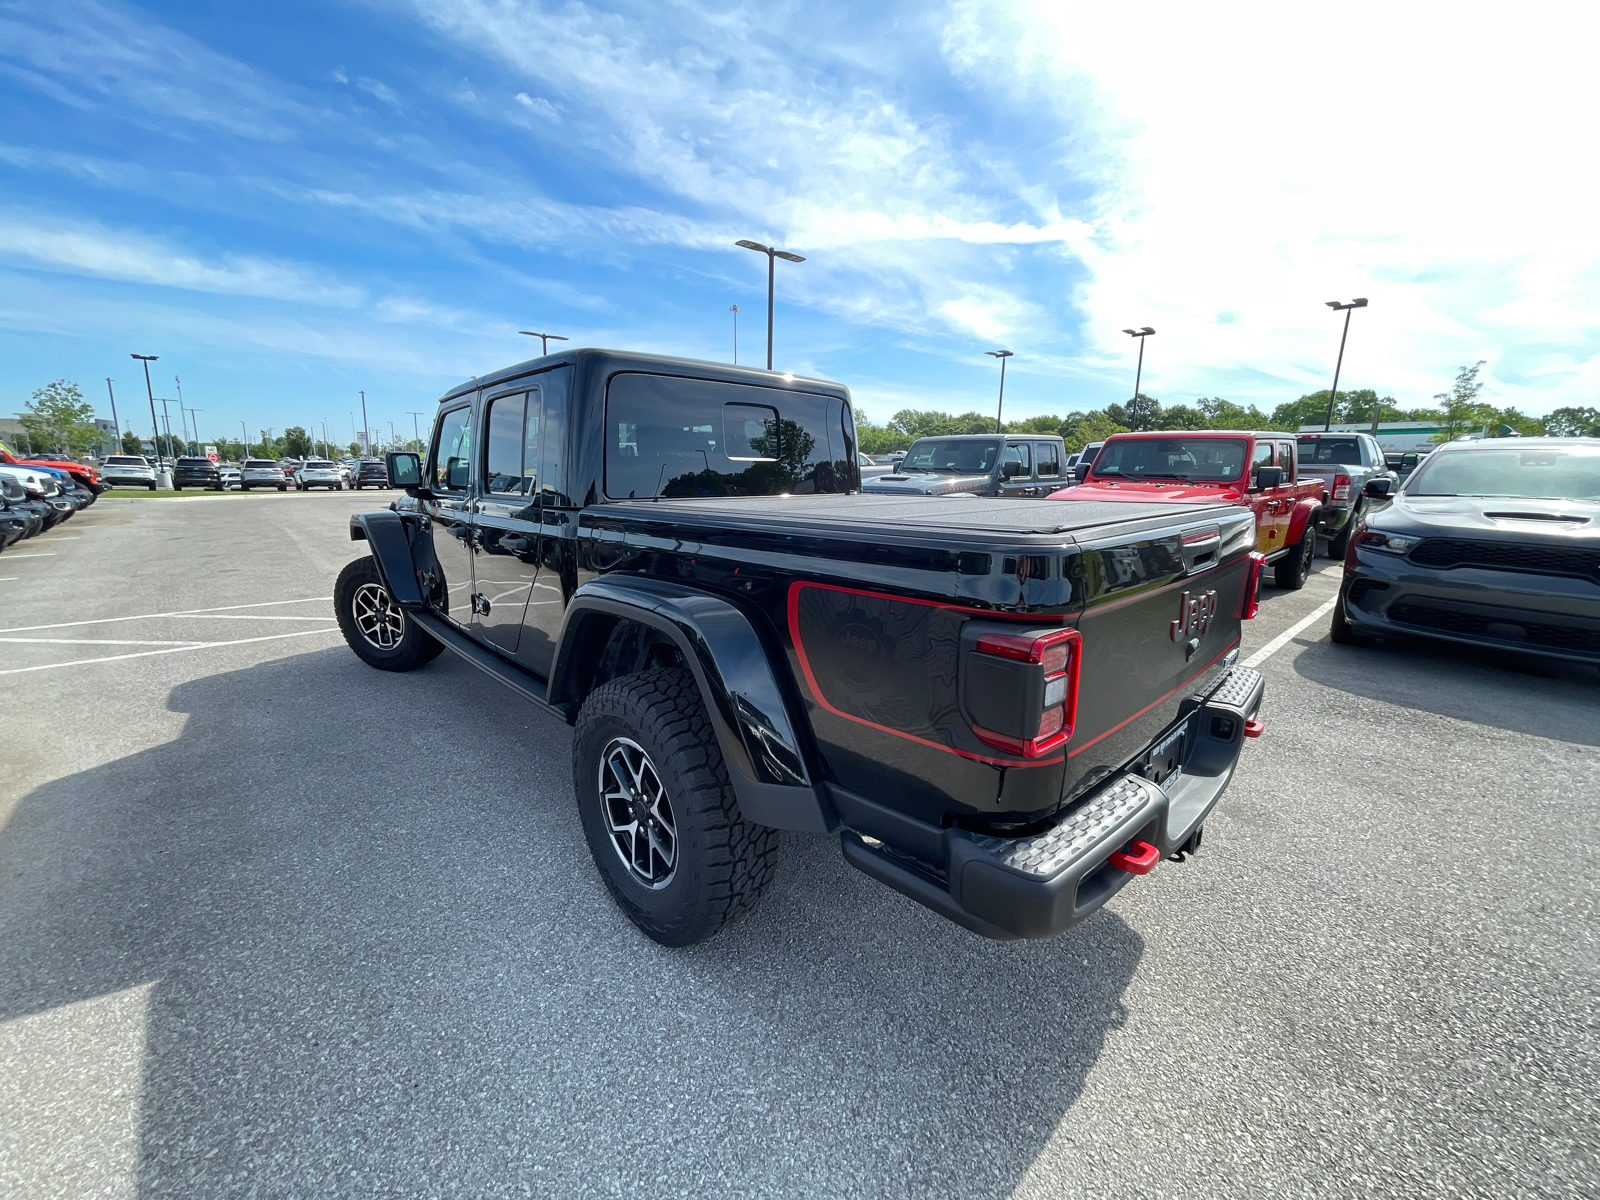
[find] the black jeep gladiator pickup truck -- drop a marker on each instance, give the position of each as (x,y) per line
(1005,709)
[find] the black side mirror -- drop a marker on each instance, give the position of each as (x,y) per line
(1378,489)
(1080,472)
(1268,478)
(405,469)
(1011,469)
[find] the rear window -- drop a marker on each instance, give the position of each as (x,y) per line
(1334,451)
(319,466)
(1536,473)
(194,462)
(676,437)
(118,460)
(260,464)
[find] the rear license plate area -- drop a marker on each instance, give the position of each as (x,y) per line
(1163,763)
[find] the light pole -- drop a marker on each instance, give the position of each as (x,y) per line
(366,431)
(146,360)
(245,434)
(1358,302)
(1138,374)
(544,339)
(183,425)
(115,424)
(416,435)
(166,422)
(1002,355)
(772,254)
(194,416)
(734,309)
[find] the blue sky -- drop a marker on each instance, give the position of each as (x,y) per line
(292,202)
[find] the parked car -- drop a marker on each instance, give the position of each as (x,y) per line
(371,472)
(349,465)
(1346,463)
(262,472)
(1004,709)
(1257,471)
(319,473)
(82,473)
(196,472)
(870,468)
(979,464)
(18,504)
(1491,543)
(44,489)
(1403,462)
(129,470)
(231,475)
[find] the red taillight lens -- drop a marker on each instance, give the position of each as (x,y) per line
(1252,586)
(1341,487)
(1057,654)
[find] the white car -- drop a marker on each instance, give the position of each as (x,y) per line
(319,472)
(261,472)
(129,470)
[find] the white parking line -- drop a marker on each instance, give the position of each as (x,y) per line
(181,612)
(84,662)
(249,617)
(95,642)
(46,554)
(1288,635)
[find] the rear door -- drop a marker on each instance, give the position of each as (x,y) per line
(505,546)
(1023,483)
(1047,467)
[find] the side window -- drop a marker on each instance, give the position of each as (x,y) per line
(552,433)
(1262,458)
(452,451)
(530,444)
(502,470)
(1049,460)
(1018,452)
(1286,460)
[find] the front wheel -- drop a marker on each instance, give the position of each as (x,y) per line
(659,813)
(1294,568)
(1341,633)
(374,625)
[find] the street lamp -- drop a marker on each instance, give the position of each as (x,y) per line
(1002,355)
(116,424)
(416,434)
(544,339)
(1141,333)
(146,360)
(734,309)
(1358,302)
(772,253)
(194,417)
(366,430)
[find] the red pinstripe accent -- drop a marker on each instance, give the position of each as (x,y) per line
(1153,703)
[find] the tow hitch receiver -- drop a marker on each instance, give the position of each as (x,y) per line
(1137,858)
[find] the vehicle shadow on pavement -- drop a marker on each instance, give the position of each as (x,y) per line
(1543,697)
(383,962)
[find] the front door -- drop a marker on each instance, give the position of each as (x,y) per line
(450,509)
(1021,484)
(1264,503)
(505,553)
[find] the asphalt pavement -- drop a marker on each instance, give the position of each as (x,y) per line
(274,923)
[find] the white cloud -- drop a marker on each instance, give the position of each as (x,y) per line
(541,107)
(379,91)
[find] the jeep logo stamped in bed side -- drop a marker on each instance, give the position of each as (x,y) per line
(1194,616)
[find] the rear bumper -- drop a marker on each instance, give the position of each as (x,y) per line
(1037,886)
(1333,517)
(1549,616)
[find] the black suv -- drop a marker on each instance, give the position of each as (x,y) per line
(1004,709)
(196,472)
(370,472)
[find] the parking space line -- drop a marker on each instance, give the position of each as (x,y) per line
(249,617)
(181,612)
(45,554)
(1288,635)
(84,662)
(96,642)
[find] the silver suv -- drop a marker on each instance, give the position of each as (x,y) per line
(261,472)
(128,470)
(319,472)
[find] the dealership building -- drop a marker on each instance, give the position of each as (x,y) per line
(1392,435)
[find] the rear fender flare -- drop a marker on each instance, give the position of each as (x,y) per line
(718,642)
(1302,517)
(389,536)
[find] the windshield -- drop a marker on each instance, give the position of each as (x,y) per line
(1215,460)
(1341,451)
(951,456)
(1542,473)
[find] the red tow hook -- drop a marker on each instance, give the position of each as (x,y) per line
(1140,858)
(1254,728)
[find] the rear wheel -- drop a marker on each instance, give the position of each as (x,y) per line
(283,487)
(374,625)
(151,486)
(1294,568)
(659,813)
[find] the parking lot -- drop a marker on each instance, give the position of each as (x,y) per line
(272,922)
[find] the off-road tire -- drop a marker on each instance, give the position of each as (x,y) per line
(1341,633)
(413,647)
(1292,570)
(723,862)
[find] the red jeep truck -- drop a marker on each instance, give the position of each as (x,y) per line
(1256,470)
(88,476)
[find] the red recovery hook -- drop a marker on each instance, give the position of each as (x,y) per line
(1254,728)
(1139,858)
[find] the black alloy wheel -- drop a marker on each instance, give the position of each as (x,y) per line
(659,813)
(1294,568)
(374,625)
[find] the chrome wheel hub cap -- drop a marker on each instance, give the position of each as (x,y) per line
(637,813)
(378,617)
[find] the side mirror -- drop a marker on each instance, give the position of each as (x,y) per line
(405,469)
(1080,472)
(1011,469)
(1378,489)
(1268,478)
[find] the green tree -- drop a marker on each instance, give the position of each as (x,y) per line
(1225,414)
(1573,422)
(59,419)
(1048,424)
(1078,429)
(296,442)
(131,443)
(1312,409)
(1463,412)
(355,448)
(1141,413)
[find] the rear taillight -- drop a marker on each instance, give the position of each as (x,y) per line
(1046,722)
(1341,487)
(1252,586)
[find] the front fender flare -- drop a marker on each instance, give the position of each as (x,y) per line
(756,730)
(390,541)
